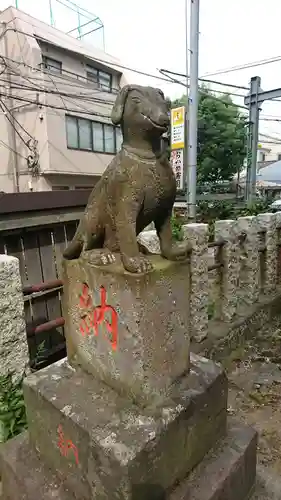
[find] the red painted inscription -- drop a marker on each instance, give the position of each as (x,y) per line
(65,445)
(95,315)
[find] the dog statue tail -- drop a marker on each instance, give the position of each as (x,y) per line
(75,247)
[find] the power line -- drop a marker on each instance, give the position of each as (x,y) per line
(11,122)
(86,97)
(12,150)
(254,64)
(215,82)
(19,124)
(91,113)
(127,68)
(211,96)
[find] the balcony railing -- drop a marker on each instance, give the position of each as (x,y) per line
(83,80)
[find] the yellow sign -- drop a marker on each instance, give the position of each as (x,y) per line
(177,128)
(178,116)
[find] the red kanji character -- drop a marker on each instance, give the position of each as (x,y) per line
(65,446)
(98,318)
(85,300)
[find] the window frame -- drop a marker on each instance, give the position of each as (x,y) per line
(90,68)
(47,65)
(93,150)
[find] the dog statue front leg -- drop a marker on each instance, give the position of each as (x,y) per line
(170,249)
(133,261)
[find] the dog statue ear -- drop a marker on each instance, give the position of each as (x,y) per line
(118,108)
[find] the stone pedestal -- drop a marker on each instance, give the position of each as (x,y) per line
(131,415)
(130,331)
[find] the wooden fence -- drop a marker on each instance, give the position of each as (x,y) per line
(35,228)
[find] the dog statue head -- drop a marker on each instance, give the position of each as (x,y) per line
(141,111)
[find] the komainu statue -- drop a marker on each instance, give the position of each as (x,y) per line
(137,188)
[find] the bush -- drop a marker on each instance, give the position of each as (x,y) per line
(12,407)
(176,223)
(259,207)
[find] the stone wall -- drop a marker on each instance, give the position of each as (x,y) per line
(235,284)
(13,344)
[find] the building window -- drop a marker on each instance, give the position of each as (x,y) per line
(72,132)
(279,157)
(52,65)
(88,135)
(85,137)
(109,138)
(100,78)
(98,136)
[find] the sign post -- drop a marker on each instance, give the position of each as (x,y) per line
(177,144)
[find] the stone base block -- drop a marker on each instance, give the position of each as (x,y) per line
(228,473)
(25,477)
(104,446)
(131,331)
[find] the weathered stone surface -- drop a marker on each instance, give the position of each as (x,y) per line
(25,477)
(150,241)
(149,315)
(197,235)
(228,275)
(227,473)
(120,447)
(267,223)
(137,188)
(13,343)
(249,285)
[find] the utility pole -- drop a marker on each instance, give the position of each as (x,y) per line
(254,100)
(193,108)
(186,127)
(253,137)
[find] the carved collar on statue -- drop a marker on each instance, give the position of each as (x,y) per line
(141,154)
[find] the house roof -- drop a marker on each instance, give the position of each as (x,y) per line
(45,32)
(271,173)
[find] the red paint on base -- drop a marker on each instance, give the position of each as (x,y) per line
(96,315)
(65,445)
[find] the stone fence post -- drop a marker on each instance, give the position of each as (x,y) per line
(248,291)
(197,234)
(228,256)
(267,223)
(14,354)
(278,231)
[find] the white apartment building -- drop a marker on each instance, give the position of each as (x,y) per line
(56,96)
(269,149)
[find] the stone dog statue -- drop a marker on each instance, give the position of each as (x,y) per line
(137,188)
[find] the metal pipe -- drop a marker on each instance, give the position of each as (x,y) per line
(41,287)
(193,107)
(12,126)
(186,109)
(46,327)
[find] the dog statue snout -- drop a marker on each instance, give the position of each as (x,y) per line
(163,120)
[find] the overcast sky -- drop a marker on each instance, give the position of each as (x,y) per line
(150,34)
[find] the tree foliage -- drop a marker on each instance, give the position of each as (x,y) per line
(221,137)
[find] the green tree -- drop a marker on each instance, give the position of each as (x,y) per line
(221,137)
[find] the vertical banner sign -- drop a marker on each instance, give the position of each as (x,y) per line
(177,128)
(177,166)
(177,144)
